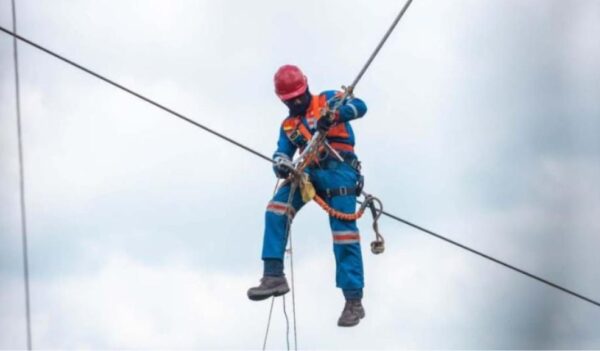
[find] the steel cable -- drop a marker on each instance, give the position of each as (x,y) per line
(380,45)
(256,153)
(138,95)
(495,260)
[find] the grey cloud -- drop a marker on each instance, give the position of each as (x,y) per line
(482,125)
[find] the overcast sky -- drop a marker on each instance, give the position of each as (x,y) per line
(145,232)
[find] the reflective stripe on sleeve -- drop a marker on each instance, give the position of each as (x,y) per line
(354,110)
(346,237)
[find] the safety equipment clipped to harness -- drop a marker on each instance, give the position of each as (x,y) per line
(378,245)
(307,189)
(308,192)
(308,155)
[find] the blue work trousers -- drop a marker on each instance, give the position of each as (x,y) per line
(345,234)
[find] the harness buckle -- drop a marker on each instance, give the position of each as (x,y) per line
(343,191)
(360,185)
(323,154)
(356,165)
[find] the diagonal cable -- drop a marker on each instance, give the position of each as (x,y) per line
(256,153)
(381,42)
(138,95)
(495,260)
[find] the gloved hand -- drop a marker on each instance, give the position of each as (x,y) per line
(326,122)
(281,172)
(279,167)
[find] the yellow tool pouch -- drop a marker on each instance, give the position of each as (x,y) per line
(307,189)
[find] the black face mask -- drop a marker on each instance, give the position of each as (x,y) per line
(299,105)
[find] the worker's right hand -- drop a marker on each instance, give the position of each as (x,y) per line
(281,167)
(326,122)
(281,171)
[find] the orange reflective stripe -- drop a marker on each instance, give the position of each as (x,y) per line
(321,103)
(338,131)
(342,147)
(315,107)
(304,131)
(290,123)
(318,103)
(294,127)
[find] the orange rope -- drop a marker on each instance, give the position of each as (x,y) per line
(337,214)
(331,211)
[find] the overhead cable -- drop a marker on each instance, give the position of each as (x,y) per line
(495,260)
(138,95)
(380,45)
(530,275)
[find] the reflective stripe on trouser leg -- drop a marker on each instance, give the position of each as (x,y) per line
(274,240)
(346,245)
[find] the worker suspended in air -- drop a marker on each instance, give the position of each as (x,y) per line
(337,182)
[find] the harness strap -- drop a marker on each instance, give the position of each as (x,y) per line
(342,147)
(304,131)
(344,190)
(341,191)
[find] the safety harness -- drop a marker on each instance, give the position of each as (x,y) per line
(316,155)
(298,133)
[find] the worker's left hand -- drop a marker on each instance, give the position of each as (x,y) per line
(326,122)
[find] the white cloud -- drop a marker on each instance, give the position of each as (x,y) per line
(481,125)
(127,304)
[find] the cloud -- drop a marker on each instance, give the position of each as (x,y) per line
(414,291)
(482,125)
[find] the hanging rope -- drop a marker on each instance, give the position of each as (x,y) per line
(23,205)
(268,324)
(287,323)
(287,240)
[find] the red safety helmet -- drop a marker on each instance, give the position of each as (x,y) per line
(290,82)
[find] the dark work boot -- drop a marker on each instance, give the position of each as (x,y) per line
(352,313)
(269,286)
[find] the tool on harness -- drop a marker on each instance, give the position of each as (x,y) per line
(344,191)
(326,122)
(329,150)
(378,245)
(298,176)
(281,167)
(318,140)
(341,191)
(307,189)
